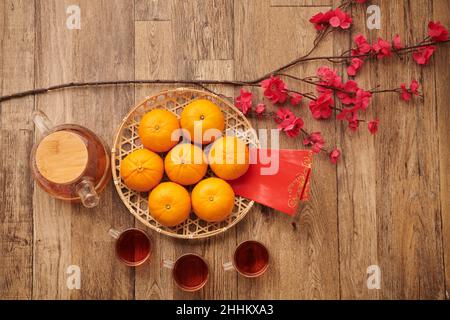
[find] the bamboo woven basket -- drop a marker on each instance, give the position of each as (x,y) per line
(127,140)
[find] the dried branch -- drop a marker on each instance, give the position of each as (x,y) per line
(202,83)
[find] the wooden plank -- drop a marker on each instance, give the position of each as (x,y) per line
(70,234)
(16,139)
(303,249)
(52,218)
(17,62)
(153,10)
(16,216)
(357,202)
(154,58)
(158,57)
(203,29)
(218,249)
(442,74)
(407,173)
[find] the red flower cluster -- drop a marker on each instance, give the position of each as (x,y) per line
(423,54)
(321,108)
(396,43)
(274,89)
(244,101)
(315,140)
(373,126)
(260,109)
(406,93)
(353,99)
(288,122)
(354,66)
(362,46)
(335,154)
(381,49)
(335,18)
(437,32)
(349,93)
(296,99)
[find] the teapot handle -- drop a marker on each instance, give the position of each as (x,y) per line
(42,122)
(86,191)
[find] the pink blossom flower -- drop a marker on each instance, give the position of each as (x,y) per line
(355,65)
(347,95)
(362,45)
(335,18)
(329,77)
(351,116)
(353,124)
(406,93)
(274,89)
(284,117)
(321,108)
(315,140)
(423,54)
(288,122)
(340,19)
(293,129)
(296,99)
(396,43)
(321,20)
(260,109)
(437,32)
(382,48)
(244,101)
(362,99)
(372,125)
(335,154)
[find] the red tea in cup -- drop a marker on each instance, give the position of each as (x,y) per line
(190,272)
(133,247)
(251,258)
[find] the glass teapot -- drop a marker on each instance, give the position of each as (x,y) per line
(69,162)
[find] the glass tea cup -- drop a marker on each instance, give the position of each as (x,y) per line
(250,259)
(70,162)
(190,271)
(133,246)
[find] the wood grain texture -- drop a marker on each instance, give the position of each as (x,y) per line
(108,48)
(407,174)
(357,202)
(153,10)
(385,203)
(17,29)
(71,234)
(303,250)
(442,78)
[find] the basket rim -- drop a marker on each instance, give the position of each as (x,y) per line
(116,178)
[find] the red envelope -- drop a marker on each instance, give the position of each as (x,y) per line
(280,187)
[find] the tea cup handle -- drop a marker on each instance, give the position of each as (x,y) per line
(86,192)
(42,122)
(228,266)
(114,233)
(167,263)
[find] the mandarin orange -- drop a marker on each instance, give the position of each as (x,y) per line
(141,170)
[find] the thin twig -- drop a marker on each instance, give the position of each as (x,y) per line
(201,83)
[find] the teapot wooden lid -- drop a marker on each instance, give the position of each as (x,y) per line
(61,157)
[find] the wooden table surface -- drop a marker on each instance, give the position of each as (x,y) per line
(386,203)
